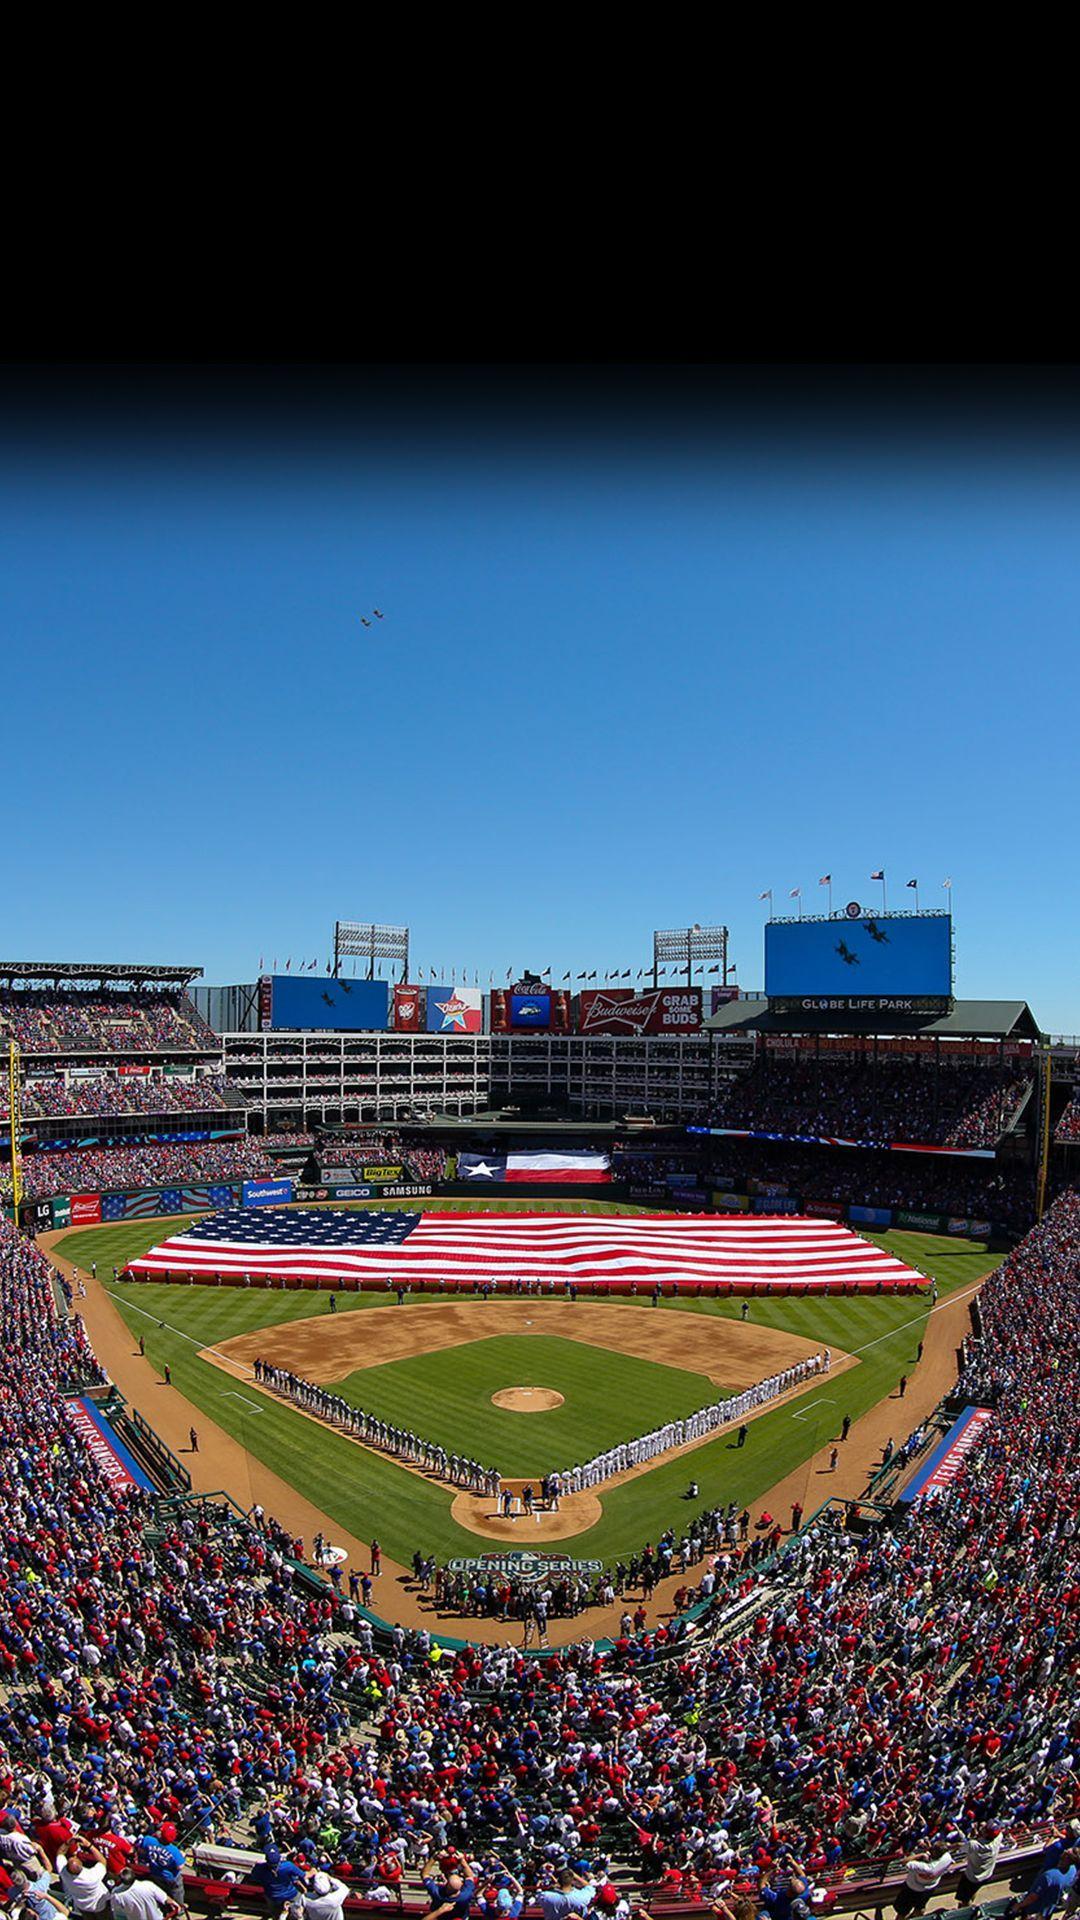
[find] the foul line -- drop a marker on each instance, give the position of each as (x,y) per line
(159,1322)
(825,1401)
(940,1308)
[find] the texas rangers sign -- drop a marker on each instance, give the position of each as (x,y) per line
(670,1010)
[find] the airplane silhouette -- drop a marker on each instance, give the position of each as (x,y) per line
(363,622)
(328,1000)
(875,932)
(378,615)
(850,959)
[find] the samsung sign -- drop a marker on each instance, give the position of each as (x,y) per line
(265,1193)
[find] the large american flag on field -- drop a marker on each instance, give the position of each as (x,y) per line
(431,1248)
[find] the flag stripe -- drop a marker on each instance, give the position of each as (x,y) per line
(431,1248)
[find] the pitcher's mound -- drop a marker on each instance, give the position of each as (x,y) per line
(527,1399)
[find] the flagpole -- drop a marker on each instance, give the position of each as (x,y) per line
(830,896)
(884,895)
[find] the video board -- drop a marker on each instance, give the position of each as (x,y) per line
(352,1006)
(901,962)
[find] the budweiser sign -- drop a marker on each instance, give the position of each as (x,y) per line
(671,1010)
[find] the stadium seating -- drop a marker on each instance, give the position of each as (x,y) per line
(974,1189)
(99,1169)
(56,1098)
(1068,1127)
(961,1105)
(72,1020)
(853,1697)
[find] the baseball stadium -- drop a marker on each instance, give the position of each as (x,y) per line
(589,1440)
(404,1369)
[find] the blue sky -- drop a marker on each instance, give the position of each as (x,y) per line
(624,680)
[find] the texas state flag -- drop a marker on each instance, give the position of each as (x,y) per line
(526,1169)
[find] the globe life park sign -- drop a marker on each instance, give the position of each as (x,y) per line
(519,1564)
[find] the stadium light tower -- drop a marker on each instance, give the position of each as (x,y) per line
(364,940)
(690,947)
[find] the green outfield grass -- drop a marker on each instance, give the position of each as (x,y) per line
(369,1495)
(607,1397)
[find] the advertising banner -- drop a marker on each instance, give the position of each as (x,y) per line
(824,1209)
(670,1010)
(455,1010)
(531,1010)
(405,1190)
(354,1006)
(61,1211)
(117,1464)
(409,1006)
(871,1216)
(721,997)
(265,1193)
(945,1462)
(651,1196)
(85,1209)
(979,1229)
(379,1176)
(775,1203)
(731,1202)
(918,1222)
(128,1067)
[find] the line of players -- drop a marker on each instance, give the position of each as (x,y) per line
(679,1433)
(400,1441)
(471,1475)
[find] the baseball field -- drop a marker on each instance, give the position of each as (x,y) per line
(613,1370)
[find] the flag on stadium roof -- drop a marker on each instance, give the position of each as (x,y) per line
(879,875)
(826,880)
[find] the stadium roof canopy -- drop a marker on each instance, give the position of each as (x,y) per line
(57,973)
(968,1020)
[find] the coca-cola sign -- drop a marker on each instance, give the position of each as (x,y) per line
(670,1010)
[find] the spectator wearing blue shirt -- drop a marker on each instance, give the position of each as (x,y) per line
(1048,1892)
(280,1880)
(451,1898)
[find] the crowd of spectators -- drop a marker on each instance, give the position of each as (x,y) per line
(59,1096)
(876,1102)
(75,1020)
(1000,1192)
(1068,1127)
(161,1164)
(353,1148)
(904,1692)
